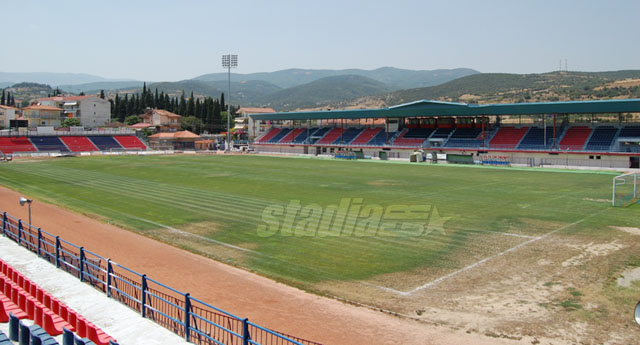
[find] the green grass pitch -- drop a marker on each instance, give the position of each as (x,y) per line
(483,211)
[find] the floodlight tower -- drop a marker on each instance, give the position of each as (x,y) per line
(229,61)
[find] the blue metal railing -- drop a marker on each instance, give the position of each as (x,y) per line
(197,321)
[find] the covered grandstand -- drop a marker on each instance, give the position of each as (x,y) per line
(601,133)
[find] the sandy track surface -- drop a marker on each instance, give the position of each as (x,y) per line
(264,301)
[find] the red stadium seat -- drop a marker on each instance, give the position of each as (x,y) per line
(53,324)
(6,307)
(98,336)
(81,327)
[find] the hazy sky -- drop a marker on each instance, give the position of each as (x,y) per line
(174,40)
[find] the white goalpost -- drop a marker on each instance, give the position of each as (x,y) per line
(625,189)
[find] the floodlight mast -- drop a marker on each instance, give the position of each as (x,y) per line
(229,61)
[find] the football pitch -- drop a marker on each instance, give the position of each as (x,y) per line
(332,226)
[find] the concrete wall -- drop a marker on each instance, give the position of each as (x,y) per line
(517,158)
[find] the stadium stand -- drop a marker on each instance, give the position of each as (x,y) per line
(442,133)
(366,136)
(465,137)
(302,138)
(348,135)
(130,142)
(381,138)
(601,139)
(508,137)
(575,138)
(331,136)
(535,139)
(630,132)
(413,136)
(16,144)
(26,300)
(290,137)
(79,144)
(265,138)
(283,132)
(105,143)
(49,143)
(319,134)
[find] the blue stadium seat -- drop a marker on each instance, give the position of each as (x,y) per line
(49,144)
(302,138)
(601,139)
(418,133)
(105,143)
(348,135)
(465,137)
(4,340)
(280,135)
(630,132)
(440,133)
(534,139)
(320,133)
(380,139)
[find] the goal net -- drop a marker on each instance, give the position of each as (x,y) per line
(625,189)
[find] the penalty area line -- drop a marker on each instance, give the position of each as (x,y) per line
(467,268)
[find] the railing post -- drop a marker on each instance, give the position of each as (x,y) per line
(143,300)
(19,231)
(245,332)
(109,271)
(187,318)
(81,265)
(4,224)
(39,242)
(58,251)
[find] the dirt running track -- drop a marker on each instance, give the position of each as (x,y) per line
(262,300)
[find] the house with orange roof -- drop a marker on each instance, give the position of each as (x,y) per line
(7,114)
(173,140)
(162,120)
(42,115)
(91,110)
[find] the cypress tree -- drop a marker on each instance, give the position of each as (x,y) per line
(222,105)
(102,94)
(2,100)
(191,106)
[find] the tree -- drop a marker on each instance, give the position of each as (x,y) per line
(191,123)
(2,100)
(191,106)
(82,93)
(222,106)
(102,94)
(71,122)
(132,120)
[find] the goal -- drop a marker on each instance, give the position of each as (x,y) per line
(625,189)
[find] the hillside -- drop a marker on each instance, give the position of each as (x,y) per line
(29,91)
(394,78)
(53,79)
(95,87)
(508,88)
(323,91)
(241,92)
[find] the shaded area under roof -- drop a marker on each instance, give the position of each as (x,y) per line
(427,108)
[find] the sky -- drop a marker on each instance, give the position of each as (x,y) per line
(175,40)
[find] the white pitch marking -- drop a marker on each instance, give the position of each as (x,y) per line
(443,278)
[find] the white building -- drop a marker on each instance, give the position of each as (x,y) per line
(249,129)
(7,114)
(92,110)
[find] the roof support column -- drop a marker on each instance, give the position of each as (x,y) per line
(386,123)
(555,137)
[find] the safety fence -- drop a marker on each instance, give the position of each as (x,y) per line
(197,321)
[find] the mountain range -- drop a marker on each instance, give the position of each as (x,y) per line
(293,89)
